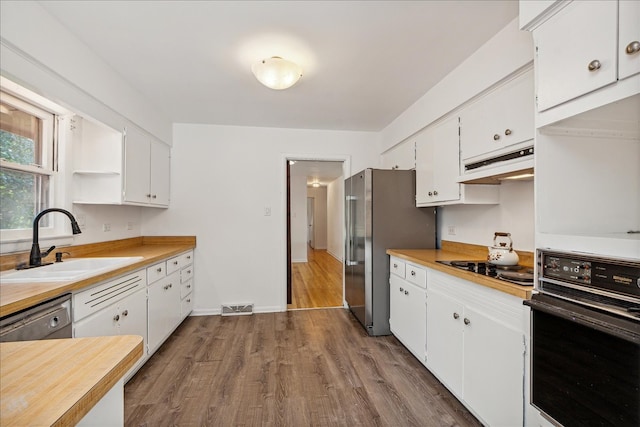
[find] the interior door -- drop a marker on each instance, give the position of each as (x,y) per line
(310,228)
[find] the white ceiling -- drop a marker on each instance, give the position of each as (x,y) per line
(322,172)
(364,62)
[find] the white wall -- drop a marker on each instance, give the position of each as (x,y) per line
(335,218)
(477,224)
(222,179)
(319,195)
(298,218)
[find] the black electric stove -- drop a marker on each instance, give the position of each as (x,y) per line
(516,274)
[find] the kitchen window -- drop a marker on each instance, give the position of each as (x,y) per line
(28,163)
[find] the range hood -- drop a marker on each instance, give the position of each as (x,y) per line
(516,164)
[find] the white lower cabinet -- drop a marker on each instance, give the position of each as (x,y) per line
(408,311)
(164,309)
(476,347)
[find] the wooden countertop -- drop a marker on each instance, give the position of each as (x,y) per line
(428,258)
(18,296)
(57,382)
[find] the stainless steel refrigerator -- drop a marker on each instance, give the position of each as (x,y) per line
(380,214)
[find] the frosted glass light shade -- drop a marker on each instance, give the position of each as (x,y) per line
(277,73)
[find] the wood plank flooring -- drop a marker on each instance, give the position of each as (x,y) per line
(295,368)
(316,283)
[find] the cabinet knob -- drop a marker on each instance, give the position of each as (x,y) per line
(188,271)
(466,321)
(148,195)
(435,192)
(154,196)
(507,132)
(406,292)
(413,273)
(125,313)
(159,269)
(496,137)
(165,287)
(456,316)
(116,317)
(633,47)
(170,285)
(189,300)
(188,286)
(189,257)
(175,262)
(395,265)
(594,65)
(401,289)
(430,193)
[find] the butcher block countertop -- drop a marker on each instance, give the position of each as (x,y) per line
(18,296)
(460,251)
(57,382)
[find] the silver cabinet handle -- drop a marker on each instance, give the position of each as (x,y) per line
(430,193)
(466,321)
(401,289)
(406,292)
(456,316)
(159,270)
(633,47)
(125,313)
(175,262)
(116,317)
(413,273)
(507,132)
(594,65)
(496,137)
(435,193)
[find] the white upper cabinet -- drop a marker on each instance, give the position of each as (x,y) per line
(629,38)
(438,163)
(500,120)
(118,167)
(146,176)
(576,51)
(402,156)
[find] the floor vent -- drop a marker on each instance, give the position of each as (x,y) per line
(237,310)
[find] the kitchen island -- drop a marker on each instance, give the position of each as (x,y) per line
(60,382)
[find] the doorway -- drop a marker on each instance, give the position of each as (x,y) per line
(315,233)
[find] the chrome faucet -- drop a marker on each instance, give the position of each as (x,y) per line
(35,258)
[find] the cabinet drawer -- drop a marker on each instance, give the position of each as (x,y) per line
(173,264)
(156,272)
(416,275)
(186,306)
(397,267)
(185,289)
(186,258)
(186,274)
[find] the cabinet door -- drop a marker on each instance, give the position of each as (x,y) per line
(493,354)
(163,308)
(568,43)
(136,167)
(159,181)
(133,315)
(408,315)
(629,32)
(438,163)
(499,120)
(102,323)
(402,156)
(444,340)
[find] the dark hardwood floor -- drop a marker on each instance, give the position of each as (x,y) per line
(316,283)
(295,368)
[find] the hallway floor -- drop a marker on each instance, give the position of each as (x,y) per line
(316,283)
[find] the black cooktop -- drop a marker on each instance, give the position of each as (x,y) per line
(516,274)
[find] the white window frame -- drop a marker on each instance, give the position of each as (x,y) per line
(53,144)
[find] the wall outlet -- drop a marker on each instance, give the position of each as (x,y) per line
(106,227)
(452,230)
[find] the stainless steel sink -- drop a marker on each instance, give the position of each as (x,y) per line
(69,270)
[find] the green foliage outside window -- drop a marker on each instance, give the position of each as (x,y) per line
(18,190)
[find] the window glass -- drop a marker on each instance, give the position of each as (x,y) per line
(20,136)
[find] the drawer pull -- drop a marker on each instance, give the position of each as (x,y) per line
(456,316)
(189,300)
(188,271)
(401,289)
(413,273)
(175,262)
(116,317)
(125,313)
(189,257)
(466,321)
(159,270)
(633,47)
(507,132)
(395,265)
(496,137)
(188,286)
(406,292)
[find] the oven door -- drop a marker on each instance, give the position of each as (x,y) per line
(584,364)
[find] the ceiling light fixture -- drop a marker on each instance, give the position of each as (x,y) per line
(277,73)
(316,184)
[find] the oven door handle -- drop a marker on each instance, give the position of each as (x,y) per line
(627,330)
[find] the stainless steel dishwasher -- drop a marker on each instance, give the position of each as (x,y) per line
(48,320)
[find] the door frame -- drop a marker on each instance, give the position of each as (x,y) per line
(286,247)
